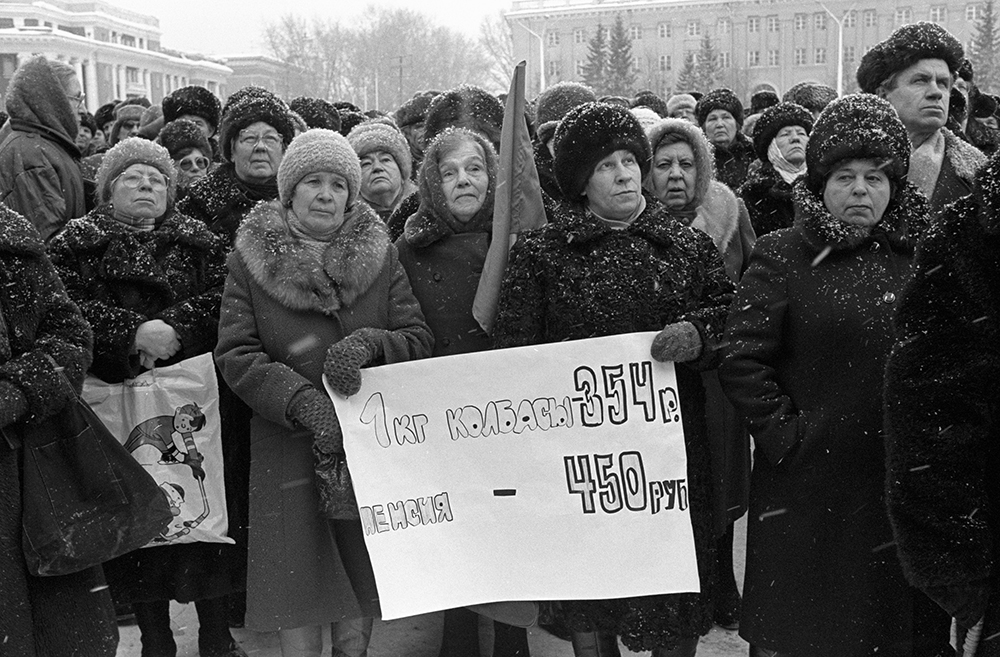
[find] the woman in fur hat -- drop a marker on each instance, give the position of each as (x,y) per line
(682,177)
(385,166)
(720,115)
(190,151)
(149,280)
(611,262)
(314,286)
(779,138)
(808,337)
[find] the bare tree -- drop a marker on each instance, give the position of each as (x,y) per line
(497,42)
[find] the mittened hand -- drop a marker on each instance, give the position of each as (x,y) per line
(679,342)
(314,411)
(345,359)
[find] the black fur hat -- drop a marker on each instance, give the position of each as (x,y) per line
(555,102)
(180,134)
(465,106)
(761,100)
(773,119)
(648,99)
(719,99)
(242,94)
(811,95)
(105,114)
(261,105)
(316,112)
(858,126)
(87,121)
(904,48)
(349,119)
(194,100)
(588,134)
(415,109)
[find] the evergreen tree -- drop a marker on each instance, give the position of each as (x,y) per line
(621,77)
(985,50)
(687,79)
(595,71)
(707,70)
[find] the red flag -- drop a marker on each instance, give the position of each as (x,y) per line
(518,206)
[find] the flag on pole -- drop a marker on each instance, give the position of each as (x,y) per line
(518,205)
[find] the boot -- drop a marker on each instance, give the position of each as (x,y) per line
(350,637)
(686,648)
(595,644)
(302,641)
(153,619)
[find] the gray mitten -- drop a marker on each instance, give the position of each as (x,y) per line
(344,359)
(313,410)
(679,342)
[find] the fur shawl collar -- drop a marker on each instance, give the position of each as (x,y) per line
(290,272)
(718,215)
(17,235)
(99,228)
(904,223)
(965,158)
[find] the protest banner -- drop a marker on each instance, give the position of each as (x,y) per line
(539,473)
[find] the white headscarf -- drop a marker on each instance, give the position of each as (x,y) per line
(788,171)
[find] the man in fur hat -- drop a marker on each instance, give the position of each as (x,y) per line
(914,69)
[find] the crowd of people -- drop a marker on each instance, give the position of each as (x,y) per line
(824,271)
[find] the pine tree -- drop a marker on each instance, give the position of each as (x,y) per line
(707,70)
(687,79)
(985,51)
(595,71)
(621,77)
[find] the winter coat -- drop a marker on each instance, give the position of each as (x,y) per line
(281,310)
(942,407)
(958,170)
(808,334)
(121,278)
(732,163)
(577,278)
(221,200)
(39,161)
(71,614)
(768,199)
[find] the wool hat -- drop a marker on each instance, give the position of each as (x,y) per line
(719,99)
(193,100)
(904,48)
(773,119)
(858,126)
(372,136)
(811,95)
(588,134)
(415,109)
(151,122)
(316,112)
(649,99)
(135,150)
(678,100)
(761,100)
(555,102)
(181,134)
(465,106)
(125,112)
(646,116)
(259,106)
(318,149)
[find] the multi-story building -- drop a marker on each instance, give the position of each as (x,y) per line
(116,52)
(761,44)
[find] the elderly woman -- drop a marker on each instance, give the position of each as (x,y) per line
(149,280)
(39,171)
(42,336)
(809,336)
(607,263)
(442,250)
(190,151)
(385,166)
(682,177)
(780,139)
(312,278)
(720,115)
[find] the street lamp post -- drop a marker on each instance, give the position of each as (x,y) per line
(840,48)
(541,54)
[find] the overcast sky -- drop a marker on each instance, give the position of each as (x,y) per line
(236,26)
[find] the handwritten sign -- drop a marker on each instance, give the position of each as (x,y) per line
(540,473)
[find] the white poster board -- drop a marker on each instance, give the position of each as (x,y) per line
(555,472)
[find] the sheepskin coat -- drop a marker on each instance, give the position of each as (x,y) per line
(68,615)
(577,278)
(942,407)
(958,171)
(282,308)
(809,334)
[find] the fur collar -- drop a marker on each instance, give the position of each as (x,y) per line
(718,215)
(17,235)
(986,193)
(905,221)
(99,228)
(578,226)
(965,158)
(218,194)
(290,272)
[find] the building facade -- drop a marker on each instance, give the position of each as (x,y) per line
(761,44)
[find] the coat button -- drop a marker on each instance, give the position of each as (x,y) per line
(875,247)
(888,297)
(437,278)
(446,342)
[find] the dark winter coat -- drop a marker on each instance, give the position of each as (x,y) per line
(396,222)
(221,200)
(281,310)
(768,199)
(71,614)
(732,163)
(121,278)
(942,407)
(958,171)
(808,337)
(577,278)
(39,161)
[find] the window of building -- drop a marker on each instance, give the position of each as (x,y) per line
(47,24)
(849,54)
(554,68)
(694,28)
(772,58)
(580,66)
(820,56)
(871,18)
(725,60)
(635,32)
(753,24)
(724,26)
(753,58)
(800,21)
(904,15)
(800,56)
(131,75)
(972,12)
(6,23)
(938,14)
(663,30)
(552,38)
(635,65)
(33,22)
(128,40)
(579,35)
(819,20)
(772,24)
(851,18)
(665,64)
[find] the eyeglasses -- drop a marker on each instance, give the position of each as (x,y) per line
(134,180)
(270,140)
(190,163)
(77,100)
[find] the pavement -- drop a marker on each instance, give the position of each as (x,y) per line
(420,636)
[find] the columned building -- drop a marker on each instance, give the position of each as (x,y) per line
(761,44)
